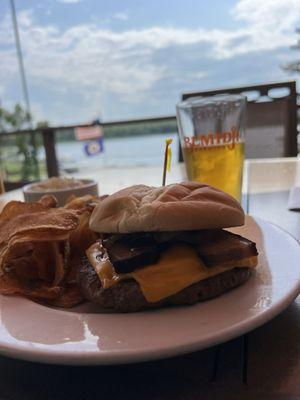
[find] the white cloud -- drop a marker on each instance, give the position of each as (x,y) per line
(94,63)
(199,74)
(268,12)
(123,16)
(69,1)
(269,24)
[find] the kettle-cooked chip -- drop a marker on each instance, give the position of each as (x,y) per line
(40,248)
(82,204)
(82,237)
(49,200)
(34,249)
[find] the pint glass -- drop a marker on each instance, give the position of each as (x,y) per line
(212,140)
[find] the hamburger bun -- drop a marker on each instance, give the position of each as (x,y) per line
(177,207)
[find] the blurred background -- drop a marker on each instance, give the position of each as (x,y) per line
(92,84)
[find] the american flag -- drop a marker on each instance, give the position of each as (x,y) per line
(88,132)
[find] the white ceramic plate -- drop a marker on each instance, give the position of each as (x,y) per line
(82,336)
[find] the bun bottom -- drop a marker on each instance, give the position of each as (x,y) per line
(126,296)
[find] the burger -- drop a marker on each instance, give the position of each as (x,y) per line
(162,246)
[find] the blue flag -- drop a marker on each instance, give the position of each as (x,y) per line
(94,147)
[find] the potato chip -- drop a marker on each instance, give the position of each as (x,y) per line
(41,248)
(49,200)
(34,249)
(82,237)
(69,298)
(82,204)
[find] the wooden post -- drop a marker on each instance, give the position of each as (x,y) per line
(2,187)
(50,151)
(290,142)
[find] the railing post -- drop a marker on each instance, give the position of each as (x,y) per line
(290,144)
(50,151)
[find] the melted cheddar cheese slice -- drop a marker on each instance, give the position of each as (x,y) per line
(178,267)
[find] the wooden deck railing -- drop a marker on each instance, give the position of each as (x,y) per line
(269,105)
(49,136)
(264,92)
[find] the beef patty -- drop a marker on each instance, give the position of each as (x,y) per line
(126,296)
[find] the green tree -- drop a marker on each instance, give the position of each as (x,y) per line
(26,144)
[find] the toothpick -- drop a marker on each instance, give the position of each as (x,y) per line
(167,155)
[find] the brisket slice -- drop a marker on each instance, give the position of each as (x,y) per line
(135,250)
(220,246)
(131,251)
(126,296)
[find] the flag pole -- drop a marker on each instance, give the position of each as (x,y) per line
(24,86)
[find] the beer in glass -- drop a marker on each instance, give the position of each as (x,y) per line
(212,140)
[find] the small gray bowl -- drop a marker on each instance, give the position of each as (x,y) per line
(62,195)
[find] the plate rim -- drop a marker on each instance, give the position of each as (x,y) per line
(110,357)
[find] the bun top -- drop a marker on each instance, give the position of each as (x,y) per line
(177,207)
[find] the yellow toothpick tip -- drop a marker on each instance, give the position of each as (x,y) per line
(167,160)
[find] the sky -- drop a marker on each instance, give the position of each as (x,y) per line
(123,59)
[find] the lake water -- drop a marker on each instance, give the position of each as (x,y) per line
(127,151)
